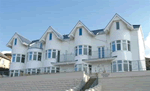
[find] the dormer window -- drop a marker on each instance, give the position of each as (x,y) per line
(15,42)
(50,36)
(117,26)
(80,31)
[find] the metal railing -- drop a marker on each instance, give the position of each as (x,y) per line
(100,54)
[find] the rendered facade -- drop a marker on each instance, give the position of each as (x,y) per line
(119,47)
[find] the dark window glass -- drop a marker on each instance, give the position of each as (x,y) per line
(39,56)
(80,31)
(50,36)
(23,59)
(117,25)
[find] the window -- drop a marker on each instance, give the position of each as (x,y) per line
(11,73)
(122,65)
(85,50)
(80,49)
(57,69)
(34,55)
(76,51)
(39,56)
(53,70)
(130,66)
(125,65)
(121,45)
(14,58)
(16,72)
(117,25)
(124,44)
(114,66)
(129,46)
(90,50)
(45,70)
(80,31)
(23,59)
(101,53)
(15,42)
(38,71)
(50,36)
(119,62)
(21,72)
(49,53)
(118,44)
(48,69)
(33,71)
(29,71)
(18,58)
(46,54)
(30,55)
(113,46)
(54,53)
(41,45)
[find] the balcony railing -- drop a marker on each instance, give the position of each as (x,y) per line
(67,58)
(94,55)
(100,54)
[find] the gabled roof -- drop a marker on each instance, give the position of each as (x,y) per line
(79,24)
(21,38)
(50,29)
(113,19)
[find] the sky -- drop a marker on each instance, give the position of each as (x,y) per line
(31,18)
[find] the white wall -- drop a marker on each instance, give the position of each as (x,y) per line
(19,48)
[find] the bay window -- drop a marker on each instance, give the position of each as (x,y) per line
(39,56)
(54,53)
(113,46)
(30,55)
(85,50)
(34,55)
(23,59)
(121,66)
(90,50)
(124,45)
(16,72)
(114,66)
(49,53)
(18,58)
(118,44)
(14,58)
(129,46)
(119,63)
(80,49)
(125,65)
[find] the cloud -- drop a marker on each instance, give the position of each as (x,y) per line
(147,45)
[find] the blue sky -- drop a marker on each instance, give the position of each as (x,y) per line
(31,18)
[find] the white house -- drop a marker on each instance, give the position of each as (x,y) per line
(118,47)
